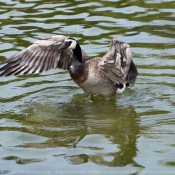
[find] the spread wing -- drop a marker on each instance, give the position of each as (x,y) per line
(42,55)
(118,64)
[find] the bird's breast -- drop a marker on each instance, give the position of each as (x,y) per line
(78,73)
(97,83)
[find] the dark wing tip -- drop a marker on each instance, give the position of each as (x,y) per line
(9,67)
(132,74)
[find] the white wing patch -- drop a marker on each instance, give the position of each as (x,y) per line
(122,89)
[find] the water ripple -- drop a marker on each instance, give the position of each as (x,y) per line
(47,119)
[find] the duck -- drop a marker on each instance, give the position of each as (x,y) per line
(104,76)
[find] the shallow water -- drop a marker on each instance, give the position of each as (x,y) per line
(47,124)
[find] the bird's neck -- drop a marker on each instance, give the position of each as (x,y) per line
(77,54)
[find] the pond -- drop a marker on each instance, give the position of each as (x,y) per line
(49,126)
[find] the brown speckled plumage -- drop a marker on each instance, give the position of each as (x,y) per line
(97,82)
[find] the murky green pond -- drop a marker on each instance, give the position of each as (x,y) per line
(47,124)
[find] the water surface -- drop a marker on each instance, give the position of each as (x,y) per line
(47,124)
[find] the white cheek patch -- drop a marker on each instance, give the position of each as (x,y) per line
(73,44)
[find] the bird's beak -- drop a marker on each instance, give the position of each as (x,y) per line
(65,45)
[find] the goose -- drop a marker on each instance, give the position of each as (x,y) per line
(104,76)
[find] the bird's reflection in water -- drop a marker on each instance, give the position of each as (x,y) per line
(97,131)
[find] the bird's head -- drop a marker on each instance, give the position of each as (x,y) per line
(70,43)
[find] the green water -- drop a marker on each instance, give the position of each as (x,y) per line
(47,124)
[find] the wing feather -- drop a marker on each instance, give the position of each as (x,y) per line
(117,63)
(42,55)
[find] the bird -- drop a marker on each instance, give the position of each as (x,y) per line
(104,76)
